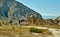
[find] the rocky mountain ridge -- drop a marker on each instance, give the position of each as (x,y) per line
(13,10)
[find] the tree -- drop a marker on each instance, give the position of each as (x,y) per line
(32,19)
(19,21)
(11,22)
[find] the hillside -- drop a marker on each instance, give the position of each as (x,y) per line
(11,9)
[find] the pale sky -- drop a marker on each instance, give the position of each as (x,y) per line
(44,7)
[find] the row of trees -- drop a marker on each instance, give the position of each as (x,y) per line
(11,21)
(33,20)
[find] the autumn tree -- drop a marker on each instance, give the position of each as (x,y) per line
(32,19)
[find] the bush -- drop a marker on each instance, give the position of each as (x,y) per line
(41,31)
(35,30)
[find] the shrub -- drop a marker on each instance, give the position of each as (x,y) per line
(35,30)
(42,31)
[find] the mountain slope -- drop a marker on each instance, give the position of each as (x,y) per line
(11,9)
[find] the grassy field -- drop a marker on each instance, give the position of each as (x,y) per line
(48,26)
(20,31)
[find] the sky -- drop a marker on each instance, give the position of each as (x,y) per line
(44,7)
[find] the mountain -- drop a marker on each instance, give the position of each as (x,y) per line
(49,17)
(11,9)
(58,18)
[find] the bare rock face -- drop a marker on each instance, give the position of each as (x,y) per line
(11,9)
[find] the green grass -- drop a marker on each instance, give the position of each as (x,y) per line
(41,31)
(36,30)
